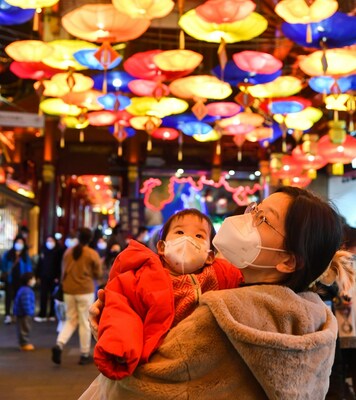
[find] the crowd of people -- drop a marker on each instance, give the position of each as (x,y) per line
(201,314)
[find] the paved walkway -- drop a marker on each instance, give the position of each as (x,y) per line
(32,375)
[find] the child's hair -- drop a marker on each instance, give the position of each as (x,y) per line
(182,214)
(25,278)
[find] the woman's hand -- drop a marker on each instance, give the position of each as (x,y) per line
(95,311)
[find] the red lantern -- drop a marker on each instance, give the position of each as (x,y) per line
(102,118)
(308,161)
(337,153)
(222,109)
(32,70)
(225,11)
(165,133)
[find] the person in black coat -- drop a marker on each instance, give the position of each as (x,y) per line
(48,273)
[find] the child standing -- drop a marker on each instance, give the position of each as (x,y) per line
(24,309)
(147,293)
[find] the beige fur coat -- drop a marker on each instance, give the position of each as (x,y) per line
(257,342)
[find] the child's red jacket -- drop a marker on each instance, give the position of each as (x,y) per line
(139,308)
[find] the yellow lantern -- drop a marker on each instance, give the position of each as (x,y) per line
(144,9)
(59,107)
(59,86)
(211,136)
(177,60)
(303,12)
(334,62)
(75,122)
(28,50)
(283,86)
(35,4)
(302,120)
(159,108)
(337,102)
(246,29)
(62,56)
(200,86)
(103,22)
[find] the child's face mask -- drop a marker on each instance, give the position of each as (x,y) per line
(185,255)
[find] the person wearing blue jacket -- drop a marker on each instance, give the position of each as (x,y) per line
(24,309)
(14,263)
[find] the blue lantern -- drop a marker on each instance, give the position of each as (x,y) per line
(11,15)
(335,31)
(86,58)
(177,121)
(108,101)
(116,81)
(327,84)
(195,128)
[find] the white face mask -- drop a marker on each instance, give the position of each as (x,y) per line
(185,255)
(240,242)
(102,245)
(71,242)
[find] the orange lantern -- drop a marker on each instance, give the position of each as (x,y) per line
(144,8)
(103,22)
(223,11)
(87,99)
(258,134)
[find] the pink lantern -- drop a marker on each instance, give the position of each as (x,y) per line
(257,62)
(165,133)
(102,118)
(337,153)
(225,11)
(233,130)
(144,87)
(222,109)
(142,66)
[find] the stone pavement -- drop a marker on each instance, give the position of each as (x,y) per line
(32,375)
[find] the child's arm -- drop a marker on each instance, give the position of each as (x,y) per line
(228,275)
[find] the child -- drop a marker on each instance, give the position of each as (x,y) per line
(24,309)
(147,293)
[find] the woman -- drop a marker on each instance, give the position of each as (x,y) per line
(14,263)
(80,266)
(273,338)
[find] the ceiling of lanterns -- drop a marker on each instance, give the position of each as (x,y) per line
(248,127)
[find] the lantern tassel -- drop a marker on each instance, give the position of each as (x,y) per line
(62,142)
(309,37)
(36,20)
(239,155)
(119,150)
(180,147)
(218,148)
(81,136)
(149,143)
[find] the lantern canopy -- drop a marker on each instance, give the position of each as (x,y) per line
(86,57)
(329,84)
(225,11)
(177,60)
(103,22)
(165,133)
(335,31)
(223,109)
(112,101)
(337,153)
(159,108)
(144,87)
(101,118)
(32,4)
(115,81)
(329,62)
(87,99)
(28,50)
(257,62)
(248,28)
(195,128)
(144,9)
(35,71)
(10,15)
(283,86)
(59,107)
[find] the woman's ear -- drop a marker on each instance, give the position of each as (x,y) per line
(287,265)
(160,247)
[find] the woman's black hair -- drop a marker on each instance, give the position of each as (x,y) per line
(313,233)
(183,213)
(84,236)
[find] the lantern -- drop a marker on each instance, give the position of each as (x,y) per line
(248,28)
(224,11)
(100,22)
(28,50)
(177,60)
(144,87)
(307,160)
(87,99)
(337,153)
(86,57)
(102,118)
(165,133)
(59,107)
(299,11)
(113,81)
(283,86)
(330,62)
(329,84)
(223,109)
(335,31)
(36,71)
(195,128)
(144,9)
(211,136)
(159,108)
(301,120)
(10,15)
(259,134)
(257,62)
(112,101)
(202,86)
(62,57)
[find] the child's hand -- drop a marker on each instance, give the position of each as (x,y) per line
(95,311)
